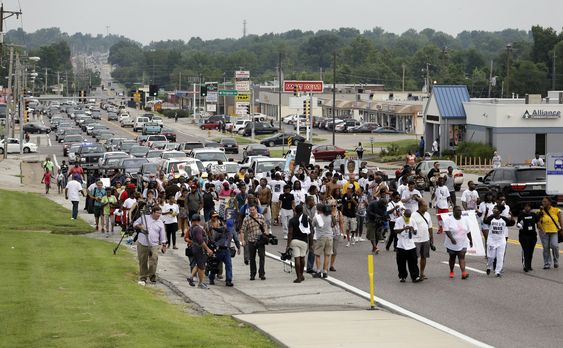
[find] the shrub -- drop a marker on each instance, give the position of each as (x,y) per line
(478,150)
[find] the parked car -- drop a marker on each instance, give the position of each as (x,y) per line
(157,120)
(127,122)
(292,119)
(104,161)
(150,128)
(520,185)
(190,145)
(282,139)
(68,140)
(328,152)
(363,128)
(208,156)
(382,130)
(239,125)
(230,145)
(156,138)
(14,146)
(344,126)
(425,167)
(210,125)
(138,151)
(89,154)
(214,145)
(329,125)
(112,116)
(169,133)
(140,123)
(254,150)
(173,154)
(259,128)
(33,128)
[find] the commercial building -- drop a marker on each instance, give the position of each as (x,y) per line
(518,128)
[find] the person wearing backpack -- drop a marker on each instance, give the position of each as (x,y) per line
(209,198)
(549,227)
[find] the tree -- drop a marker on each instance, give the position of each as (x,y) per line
(544,41)
(526,77)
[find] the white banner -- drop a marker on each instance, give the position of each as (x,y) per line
(212,107)
(211,97)
(478,248)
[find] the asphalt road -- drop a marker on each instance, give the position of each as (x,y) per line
(518,310)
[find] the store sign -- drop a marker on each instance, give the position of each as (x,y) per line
(242,74)
(243,98)
(554,173)
(211,97)
(303,86)
(242,86)
(541,114)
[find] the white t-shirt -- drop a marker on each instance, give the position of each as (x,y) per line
(422,226)
(459,230)
(403,240)
(74,188)
(496,235)
(487,210)
(277,189)
(299,196)
(169,219)
(442,195)
(402,188)
(470,198)
(409,201)
(129,202)
(506,213)
(537,162)
(393,216)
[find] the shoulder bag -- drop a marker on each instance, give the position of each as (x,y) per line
(559,230)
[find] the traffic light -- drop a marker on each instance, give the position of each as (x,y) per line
(25,112)
(153,90)
(203,91)
(82,95)
(306,107)
(295,91)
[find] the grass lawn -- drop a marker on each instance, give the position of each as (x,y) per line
(32,212)
(70,291)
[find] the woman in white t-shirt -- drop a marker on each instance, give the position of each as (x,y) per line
(484,210)
(458,238)
(169,217)
(298,193)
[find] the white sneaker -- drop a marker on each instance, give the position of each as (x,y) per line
(362,240)
(142,283)
(347,244)
(284,237)
(353,241)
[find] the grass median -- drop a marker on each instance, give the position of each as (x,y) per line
(70,291)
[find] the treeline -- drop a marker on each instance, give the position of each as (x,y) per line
(373,56)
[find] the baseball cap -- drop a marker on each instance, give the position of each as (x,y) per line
(214,214)
(196,217)
(131,186)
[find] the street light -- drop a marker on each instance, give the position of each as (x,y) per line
(508,50)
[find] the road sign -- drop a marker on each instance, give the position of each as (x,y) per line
(242,74)
(212,86)
(243,98)
(242,86)
(211,97)
(554,174)
(227,92)
(212,107)
(241,108)
(304,86)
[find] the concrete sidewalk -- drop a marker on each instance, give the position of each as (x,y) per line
(314,313)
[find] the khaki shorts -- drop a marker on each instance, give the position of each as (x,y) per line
(323,246)
(299,248)
(423,249)
(350,224)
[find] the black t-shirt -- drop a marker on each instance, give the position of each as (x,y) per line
(431,172)
(64,169)
(349,206)
(208,202)
(528,222)
(297,234)
(286,200)
(171,190)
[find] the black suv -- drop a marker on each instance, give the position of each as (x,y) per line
(520,185)
(259,128)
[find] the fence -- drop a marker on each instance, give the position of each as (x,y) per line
(473,163)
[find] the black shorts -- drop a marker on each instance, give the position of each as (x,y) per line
(199,256)
(98,210)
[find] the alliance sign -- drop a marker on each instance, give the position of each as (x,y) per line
(541,114)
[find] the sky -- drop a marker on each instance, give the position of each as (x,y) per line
(146,21)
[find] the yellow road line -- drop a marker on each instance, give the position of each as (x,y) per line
(538,246)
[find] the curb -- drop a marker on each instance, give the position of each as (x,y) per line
(393,308)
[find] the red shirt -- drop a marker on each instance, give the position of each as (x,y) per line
(76,170)
(47,178)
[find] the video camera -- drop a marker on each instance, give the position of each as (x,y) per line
(212,265)
(286,255)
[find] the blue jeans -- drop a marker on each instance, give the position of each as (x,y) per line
(224,255)
(74,209)
(550,246)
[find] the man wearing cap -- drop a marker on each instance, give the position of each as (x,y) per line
(222,235)
(72,190)
(197,241)
(152,240)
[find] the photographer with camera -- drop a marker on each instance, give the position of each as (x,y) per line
(253,233)
(300,240)
(151,239)
(222,235)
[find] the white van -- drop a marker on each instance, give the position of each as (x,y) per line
(140,123)
(178,166)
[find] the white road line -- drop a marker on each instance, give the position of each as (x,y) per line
(49,140)
(395,308)
(469,268)
(55,160)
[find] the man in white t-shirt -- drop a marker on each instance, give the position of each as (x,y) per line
(410,197)
(442,196)
(405,228)
(277,185)
(73,190)
(424,239)
(537,161)
(470,197)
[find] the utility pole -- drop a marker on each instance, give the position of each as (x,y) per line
(5,15)
(58,82)
(508,49)
(244,28)
(280,86)
(404,66)
(46,83)
(180,81)
(333,98)
(9,103)
(428,78)
(553,71)
(66,80)
(490,80)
